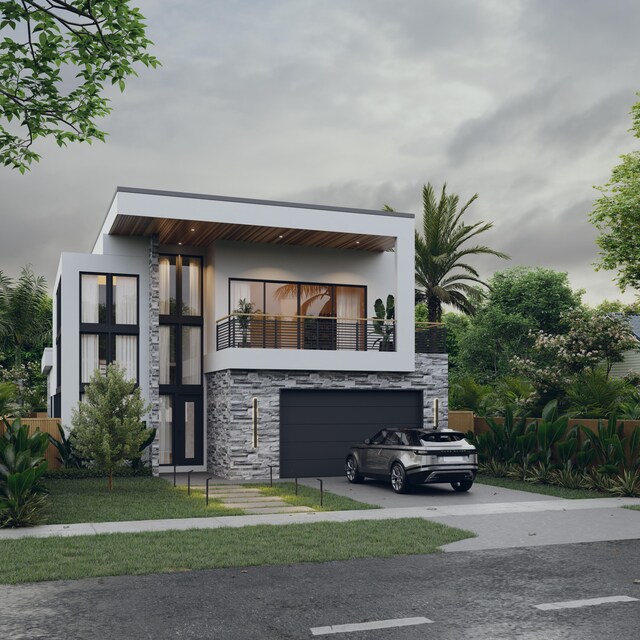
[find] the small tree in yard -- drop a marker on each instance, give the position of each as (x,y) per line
(107,425)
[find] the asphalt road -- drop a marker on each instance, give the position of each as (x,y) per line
(481,595)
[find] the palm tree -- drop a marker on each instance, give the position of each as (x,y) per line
(25,314)
(442,275)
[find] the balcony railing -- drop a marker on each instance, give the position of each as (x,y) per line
(262,331)
(431,337)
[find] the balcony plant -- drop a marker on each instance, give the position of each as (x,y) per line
(244,310)
(384,324)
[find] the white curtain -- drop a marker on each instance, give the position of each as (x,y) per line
(191,355)
(165,285)
(240,291)
(193,273)
(166,429)
(125,290)
(165,355)
(348,305)
(127,355)
(90,296)
(90,356)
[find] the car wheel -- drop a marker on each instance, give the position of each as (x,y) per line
(463,485)
(399,478)
(351,469)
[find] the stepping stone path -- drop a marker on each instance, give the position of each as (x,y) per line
(251,500)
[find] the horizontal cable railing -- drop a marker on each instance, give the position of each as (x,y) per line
(431,337)
(262,331)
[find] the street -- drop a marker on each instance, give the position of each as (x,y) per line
(490,594)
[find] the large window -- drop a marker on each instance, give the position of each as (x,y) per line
(108,324)
(280,298)
(180,359)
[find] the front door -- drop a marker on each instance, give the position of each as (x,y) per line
(188,431)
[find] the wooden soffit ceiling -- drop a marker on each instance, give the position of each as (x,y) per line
(202,234)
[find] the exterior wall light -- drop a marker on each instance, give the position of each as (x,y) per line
(436,413)
(254,421)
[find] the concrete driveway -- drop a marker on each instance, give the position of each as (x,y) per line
(382,495)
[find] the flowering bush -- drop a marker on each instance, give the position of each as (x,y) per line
(593,339)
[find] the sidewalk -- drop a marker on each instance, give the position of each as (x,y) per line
(498,525)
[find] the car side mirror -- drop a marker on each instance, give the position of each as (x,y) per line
(367,441)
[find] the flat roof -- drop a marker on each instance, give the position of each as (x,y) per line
(272,203)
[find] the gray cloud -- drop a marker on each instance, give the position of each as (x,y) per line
(359,103)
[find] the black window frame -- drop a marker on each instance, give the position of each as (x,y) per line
(184,392)
(298,283)
(110,328)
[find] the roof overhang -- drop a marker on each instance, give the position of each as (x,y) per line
(200,220)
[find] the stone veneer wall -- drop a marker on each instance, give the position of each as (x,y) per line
(153,420)
(229,420)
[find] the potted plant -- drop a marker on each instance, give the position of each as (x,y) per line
(384,325)
(244,310)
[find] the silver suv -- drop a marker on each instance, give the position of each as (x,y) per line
(414,456)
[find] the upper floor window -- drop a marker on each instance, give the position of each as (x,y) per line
(109,300)
(108,324)
(180,286)
(289,299)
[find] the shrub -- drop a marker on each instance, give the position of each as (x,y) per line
(67,455)
(22,465)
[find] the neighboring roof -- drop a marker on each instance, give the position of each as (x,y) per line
(634,322)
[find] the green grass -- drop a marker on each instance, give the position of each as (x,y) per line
(635,507)
(88,500)
(40,559)
(310,497)
(545,489)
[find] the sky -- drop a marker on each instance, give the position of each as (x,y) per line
(358,104)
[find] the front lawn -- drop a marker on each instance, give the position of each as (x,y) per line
(310,497)
(87,500)
(545,489)
(40,559)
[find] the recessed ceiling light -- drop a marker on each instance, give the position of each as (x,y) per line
(180,243)
(357,241)
(280,236)
(192,229)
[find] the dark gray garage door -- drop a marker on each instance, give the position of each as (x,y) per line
(318,427)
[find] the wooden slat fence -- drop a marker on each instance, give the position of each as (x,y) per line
(467,421)
(46,425)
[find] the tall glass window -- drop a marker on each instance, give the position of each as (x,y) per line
(125,300)
(108,324)
(191,269)
(126,355)
(94,298)
(94,355)
(191,355)
(166,429)
(168,288)
(167,354)
(189,429)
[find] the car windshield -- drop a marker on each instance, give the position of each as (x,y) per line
(440,436)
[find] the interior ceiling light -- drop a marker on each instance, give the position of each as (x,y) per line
(192,229)
(280,236)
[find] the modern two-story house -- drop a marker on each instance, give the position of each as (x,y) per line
(249,326)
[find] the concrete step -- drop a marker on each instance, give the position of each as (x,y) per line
(252,499)
(230,494)
(241,504)
(290,509)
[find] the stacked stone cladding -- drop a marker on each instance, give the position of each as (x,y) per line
(229,408)
(153,420)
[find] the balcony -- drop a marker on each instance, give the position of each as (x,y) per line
(261,331)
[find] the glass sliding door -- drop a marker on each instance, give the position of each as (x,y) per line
(351,330)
